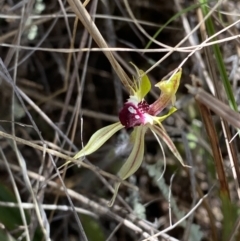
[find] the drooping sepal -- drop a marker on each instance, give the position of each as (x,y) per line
(161,132)
(134,160)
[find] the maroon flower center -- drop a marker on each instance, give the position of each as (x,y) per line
(131,115)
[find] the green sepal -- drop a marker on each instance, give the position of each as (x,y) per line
(134,160)
(98,139)
(160,131)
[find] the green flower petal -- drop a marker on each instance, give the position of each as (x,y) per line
(160,131)
(170,86)
(159,119)
(142,84)
(134,160)
(168,93)
(98,139)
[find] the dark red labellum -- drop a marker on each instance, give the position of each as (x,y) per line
(131,115)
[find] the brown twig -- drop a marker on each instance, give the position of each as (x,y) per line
(217,156)
(218,107)
(86,20)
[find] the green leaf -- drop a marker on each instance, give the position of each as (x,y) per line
(134,160)
(10,217)
(98,139)
(5,236)
(230,214)
(92,228)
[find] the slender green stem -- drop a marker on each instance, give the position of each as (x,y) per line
(185,10)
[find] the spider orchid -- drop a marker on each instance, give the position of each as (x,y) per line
(139,115)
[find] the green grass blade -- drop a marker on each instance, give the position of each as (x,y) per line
(190,8)
(219,58)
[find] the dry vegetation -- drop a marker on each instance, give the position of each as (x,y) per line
(59,83)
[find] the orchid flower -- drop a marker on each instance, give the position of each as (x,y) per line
(139,115)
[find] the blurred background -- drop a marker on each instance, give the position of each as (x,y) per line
(57,88)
